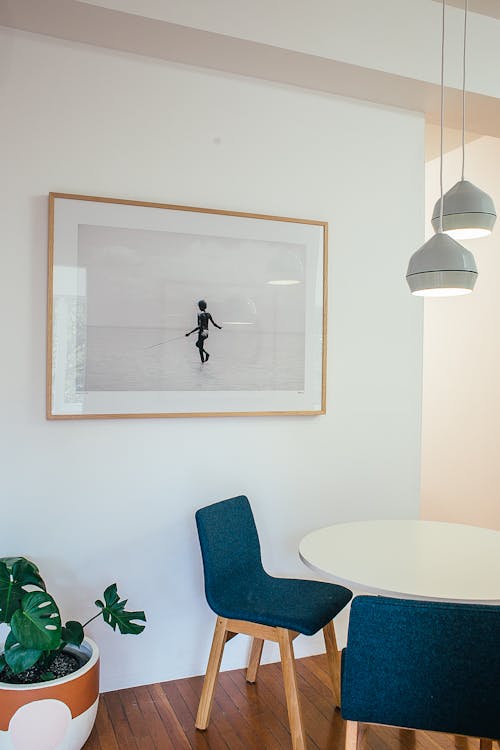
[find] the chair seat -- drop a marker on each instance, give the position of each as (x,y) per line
(300,605)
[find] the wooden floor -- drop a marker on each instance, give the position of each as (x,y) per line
(244,717)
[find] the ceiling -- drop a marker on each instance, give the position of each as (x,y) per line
(90,23)
(484,7)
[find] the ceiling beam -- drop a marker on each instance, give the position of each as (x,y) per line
(126,32)
(483,7)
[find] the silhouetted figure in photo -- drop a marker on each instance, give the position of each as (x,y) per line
(203,319)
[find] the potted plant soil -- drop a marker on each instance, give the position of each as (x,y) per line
(49,672)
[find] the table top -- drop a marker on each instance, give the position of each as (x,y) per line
(412,559)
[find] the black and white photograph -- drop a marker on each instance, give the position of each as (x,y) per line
(174,311)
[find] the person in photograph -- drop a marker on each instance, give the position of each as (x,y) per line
(204,318)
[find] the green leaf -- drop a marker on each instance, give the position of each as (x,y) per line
(24,571)
(115,614)
(37,624)
(9,561)
(111,595)
(10,640)
(72,633)
(15,573)
(17,657)
(46,676)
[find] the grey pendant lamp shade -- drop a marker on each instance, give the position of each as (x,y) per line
(440,268)
(468,212)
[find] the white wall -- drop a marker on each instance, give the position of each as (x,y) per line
(99,501)
(461,403)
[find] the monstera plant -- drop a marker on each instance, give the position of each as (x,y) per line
(37,638)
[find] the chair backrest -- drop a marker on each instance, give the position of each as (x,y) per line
(423,665)
(230,547)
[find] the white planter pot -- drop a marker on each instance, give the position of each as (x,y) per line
(55,715)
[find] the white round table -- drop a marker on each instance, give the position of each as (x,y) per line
(410,559)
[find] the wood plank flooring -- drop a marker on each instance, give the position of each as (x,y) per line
(244,717)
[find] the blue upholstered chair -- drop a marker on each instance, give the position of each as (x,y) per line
(422,665)
(248,600)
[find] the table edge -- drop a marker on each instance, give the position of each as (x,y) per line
(363,588)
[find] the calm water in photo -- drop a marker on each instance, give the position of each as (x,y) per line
(129,359)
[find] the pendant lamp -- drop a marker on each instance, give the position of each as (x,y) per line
(468,212)
(441,267)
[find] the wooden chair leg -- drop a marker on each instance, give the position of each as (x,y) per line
(351,735)
(254,661)
(213,666)
(485,744)
(292,696)
(334,657)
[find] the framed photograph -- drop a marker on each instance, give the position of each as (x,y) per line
(172,311)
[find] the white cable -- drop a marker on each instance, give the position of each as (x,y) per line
(442,112)
(466,8)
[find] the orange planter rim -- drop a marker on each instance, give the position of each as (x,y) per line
(88,645)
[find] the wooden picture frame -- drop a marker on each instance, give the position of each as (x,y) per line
(124,334)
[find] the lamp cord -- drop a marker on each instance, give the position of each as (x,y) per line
(466,8)
(442,113)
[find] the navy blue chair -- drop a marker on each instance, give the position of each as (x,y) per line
(422,665)
(248,600)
